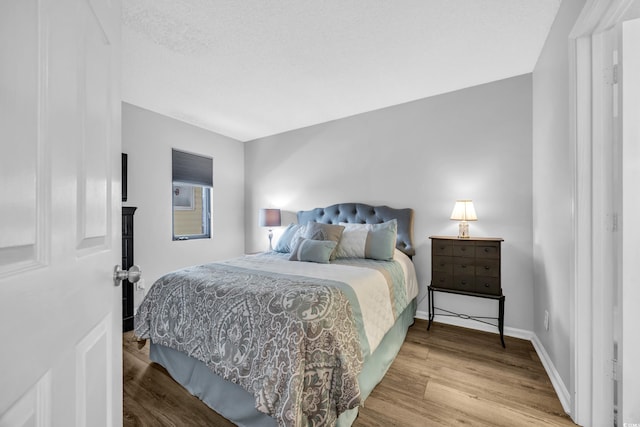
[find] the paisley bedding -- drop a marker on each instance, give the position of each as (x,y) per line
(292,334)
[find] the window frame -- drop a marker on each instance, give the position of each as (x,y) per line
(196,171)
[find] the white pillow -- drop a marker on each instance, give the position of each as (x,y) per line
(353,240)
(376,241)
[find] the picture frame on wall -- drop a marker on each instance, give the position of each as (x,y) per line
(183,197)
(124,177)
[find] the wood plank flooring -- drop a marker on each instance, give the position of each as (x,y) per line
(448,376)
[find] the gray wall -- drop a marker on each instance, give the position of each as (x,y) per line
(473,143)
(553,191)
(148,138)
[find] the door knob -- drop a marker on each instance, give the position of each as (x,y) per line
(133,274)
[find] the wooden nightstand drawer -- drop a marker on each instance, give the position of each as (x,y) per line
(442,263)
(463,248)
(442,247)
(488,285)
(441,279)
(488,267)
(464,266)
(488,250)
(464,282)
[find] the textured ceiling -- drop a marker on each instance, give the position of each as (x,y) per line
(253,68)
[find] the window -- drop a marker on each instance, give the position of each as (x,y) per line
(191,195)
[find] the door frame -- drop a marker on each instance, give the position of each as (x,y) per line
(588,336)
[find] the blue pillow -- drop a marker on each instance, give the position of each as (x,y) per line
(288,238)
(312,250)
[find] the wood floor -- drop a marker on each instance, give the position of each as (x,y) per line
(449,376)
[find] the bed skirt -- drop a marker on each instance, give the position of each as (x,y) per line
(237,405)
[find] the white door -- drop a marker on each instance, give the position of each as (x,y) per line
(60,225)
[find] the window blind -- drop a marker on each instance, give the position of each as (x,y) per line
(191,169)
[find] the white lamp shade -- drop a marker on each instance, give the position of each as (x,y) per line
(464,211)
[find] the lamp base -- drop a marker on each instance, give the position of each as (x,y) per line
(463,230)
(270,238)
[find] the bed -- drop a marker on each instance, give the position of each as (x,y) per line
(298,336)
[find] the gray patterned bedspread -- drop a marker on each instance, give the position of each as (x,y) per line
(289,340)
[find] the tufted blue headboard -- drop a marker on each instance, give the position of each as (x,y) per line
(360,213)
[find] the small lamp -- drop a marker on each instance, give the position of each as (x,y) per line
(463,211)
(269,218)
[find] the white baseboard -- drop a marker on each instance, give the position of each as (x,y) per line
(554,376)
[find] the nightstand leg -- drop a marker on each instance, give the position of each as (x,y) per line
(431,309)
(501,320)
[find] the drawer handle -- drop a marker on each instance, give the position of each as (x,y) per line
(463,249)
(486,249)
(486,285)
(464,282)
(486,267)
(464,266)
(442,265)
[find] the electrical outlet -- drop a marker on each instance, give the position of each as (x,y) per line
(546,320)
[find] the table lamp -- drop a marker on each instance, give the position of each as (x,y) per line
(269,218)
(463,211)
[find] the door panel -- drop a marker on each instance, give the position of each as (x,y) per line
(22,240)
(32,409)
(60,313)
(93,171)
(93,395)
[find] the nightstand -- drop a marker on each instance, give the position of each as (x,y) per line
(468,267)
